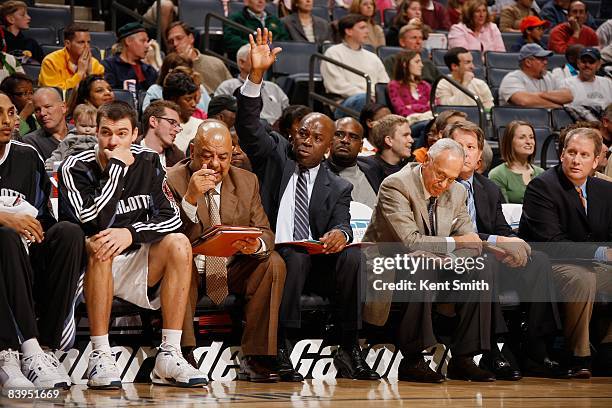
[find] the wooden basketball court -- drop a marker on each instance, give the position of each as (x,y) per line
(529,392)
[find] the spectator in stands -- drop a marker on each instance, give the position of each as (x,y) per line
(15,18)
(136,208)
(587,89)
(476,30)
(126,69)
(511,16)
(435,15)
(367,8)
(93,91)
(556,12)
(160,124)
(223,108)
(408,93)
(371,113)
(272,156)
(253,16)
(84,117)
(172,61)
(606,126)
(532,29)
(182,90)
(289,122)
(273,96)
(302,25)
(67,67)
(352,87)
(34,248)
(212,70)
(570,69)
(574,31)
(408,11)
(566,206)
(518,147)
(9,65)
(602,159)
(50,113)
(19,87)
(411,38)
(604,34)
(436,132)
(532,85)
(345,147)
(454,10)
(391,135)
(461,65)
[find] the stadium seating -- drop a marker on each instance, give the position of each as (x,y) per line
(504,60)
(339,12)
(103,40)
(55,18)
(192,12)
(322,12)
(510,39)
(389,15)
(381,94)
(294,59)
(125,96)
(560,119)
(32,70)
(42,35)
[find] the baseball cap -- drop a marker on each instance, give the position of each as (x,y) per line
(220,103)
(533,50)
(590,52)
(531,22)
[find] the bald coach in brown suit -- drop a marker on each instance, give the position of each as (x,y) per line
(210,191)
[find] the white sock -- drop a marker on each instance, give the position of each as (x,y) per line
(172,337)
(100,343)
(30,347)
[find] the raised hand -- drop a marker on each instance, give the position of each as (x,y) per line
(262,57)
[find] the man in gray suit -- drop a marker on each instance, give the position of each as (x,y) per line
(423,210)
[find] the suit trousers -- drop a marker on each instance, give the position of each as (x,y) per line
(260,281)
(578,285)
(333,275)
(415,331)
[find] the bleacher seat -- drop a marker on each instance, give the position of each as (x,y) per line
(322,12)
(48,49)
(502,115)
(556,61)
(192,12)
(495,76)
(32,70)
(510,39)
(55,18)
(339,12)
(42,35)
(384,51)
(437,56)
(389,15)
(560,118)
(504,60)
(294,59)
(381,94)
(103,39)
(125,96)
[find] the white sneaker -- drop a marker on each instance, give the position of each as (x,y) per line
(60,368)
(102,371)
(171,368)
(42,370)
(10,371)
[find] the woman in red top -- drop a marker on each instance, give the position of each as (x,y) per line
(407,91)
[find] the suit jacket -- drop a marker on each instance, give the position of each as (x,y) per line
(401,216)
(322,29)
(273,162)
(240,202)
(553,212)
(488,200)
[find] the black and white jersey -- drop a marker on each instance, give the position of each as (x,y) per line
(23,175)
(135,197)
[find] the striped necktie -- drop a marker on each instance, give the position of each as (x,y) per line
(216,268)
(583,200)
(301,227)
(471,206)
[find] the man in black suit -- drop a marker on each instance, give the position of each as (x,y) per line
(565,206)
(527,271)
(346,145)
(304,200)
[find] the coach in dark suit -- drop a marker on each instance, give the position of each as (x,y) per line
(304,200)
(256,271)
(566,206)
(527,272)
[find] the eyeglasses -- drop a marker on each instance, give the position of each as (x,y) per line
(171,121)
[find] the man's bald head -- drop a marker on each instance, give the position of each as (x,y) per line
(313,139)
(212,147)
(50,109)
(48,92)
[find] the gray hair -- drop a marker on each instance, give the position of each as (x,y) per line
(445,144)
(243,52)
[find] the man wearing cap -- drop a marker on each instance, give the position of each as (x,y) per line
(223,108)
(532,85)
(65,68)
(588,89)
(128,64)
(574,31)
(532,28)
(511,16)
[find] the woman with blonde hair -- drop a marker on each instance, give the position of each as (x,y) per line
(367,8)
(476,31)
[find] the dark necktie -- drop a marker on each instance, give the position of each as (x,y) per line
(431,210)
(300,217)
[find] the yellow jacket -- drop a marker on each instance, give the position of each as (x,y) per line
(57,70)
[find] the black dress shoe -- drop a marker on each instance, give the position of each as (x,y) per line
(255,369)
(464,368)
(500,367)
(351,364)
(418,370)
(580,367)
(546,368)
(285,368)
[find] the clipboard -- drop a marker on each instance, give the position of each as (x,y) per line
(218,240)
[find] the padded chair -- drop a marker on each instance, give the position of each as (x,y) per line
(556,61)
(125,96)
(389,15)
(502,115)
(339,12)
(503,60)
(192,12)
(42,35)
(560,118)
(48,49)
(495,76)
(294,58)
(103,39)
(32,70)
(385,51)
(381,94)
(55,18)
(322,12)
(437,56)
(510,39)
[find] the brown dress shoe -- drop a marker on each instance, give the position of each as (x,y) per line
(255,369)
(418,370)
(464,368)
